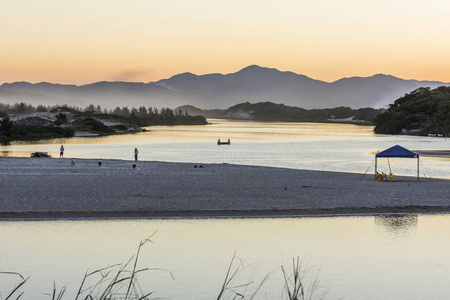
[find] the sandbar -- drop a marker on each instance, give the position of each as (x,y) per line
(54,188)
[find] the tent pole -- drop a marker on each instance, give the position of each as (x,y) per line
(375,168)
(417,168)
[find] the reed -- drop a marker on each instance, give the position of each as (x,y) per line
(58,295)
(120,281)
(15,291)
(232,289)
(303,283)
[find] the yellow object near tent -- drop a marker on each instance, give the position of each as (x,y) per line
(395,151)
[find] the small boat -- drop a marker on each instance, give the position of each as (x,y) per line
(223,143)
(40,154)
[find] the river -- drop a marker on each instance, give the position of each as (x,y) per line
(362,257)
(359,257)
(314,146)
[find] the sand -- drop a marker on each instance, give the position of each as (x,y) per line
(35,188)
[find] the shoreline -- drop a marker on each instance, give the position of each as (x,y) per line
(434,153)
(162,215)
(52,189)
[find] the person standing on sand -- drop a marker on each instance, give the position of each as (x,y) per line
(61,151)
(136,154)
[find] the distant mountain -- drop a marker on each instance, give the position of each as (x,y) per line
(218,91)
(257,84)
(106,94)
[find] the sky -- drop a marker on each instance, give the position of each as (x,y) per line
(85,41)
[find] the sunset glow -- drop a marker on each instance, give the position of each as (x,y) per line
(147,40)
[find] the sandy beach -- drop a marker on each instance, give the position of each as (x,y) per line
(35,188)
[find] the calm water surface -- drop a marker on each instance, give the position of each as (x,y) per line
(397,257)
(402,257)
(315,146)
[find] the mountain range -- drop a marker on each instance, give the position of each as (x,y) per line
(252,84)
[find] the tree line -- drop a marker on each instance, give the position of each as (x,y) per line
(88,118)
(422,112)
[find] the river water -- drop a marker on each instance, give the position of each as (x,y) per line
(363,258)
(314,146)
(360,257)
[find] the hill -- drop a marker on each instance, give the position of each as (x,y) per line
(423,111)
(218,91)
(272,112)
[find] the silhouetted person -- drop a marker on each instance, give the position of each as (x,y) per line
(61,151)
(136,154)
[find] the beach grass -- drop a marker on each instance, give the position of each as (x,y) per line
(121,281)
(303,283)
(233,288)
(16,292)
(118,281)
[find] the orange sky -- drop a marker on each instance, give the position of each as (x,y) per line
(147,40)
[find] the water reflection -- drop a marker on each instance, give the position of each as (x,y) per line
(397,226)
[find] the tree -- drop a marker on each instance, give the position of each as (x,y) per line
(424,109)
(125,111)
(142,111)
(23,108)
(117,111)
(134,111)
(5,125)
(61,118)
(90,107)
(167,115)
(41,108)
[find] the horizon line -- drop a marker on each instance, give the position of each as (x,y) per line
(217,73)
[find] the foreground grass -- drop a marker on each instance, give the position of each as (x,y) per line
(120,281)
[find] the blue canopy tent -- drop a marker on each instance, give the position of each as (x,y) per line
(397,151)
